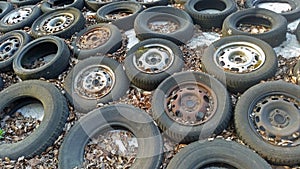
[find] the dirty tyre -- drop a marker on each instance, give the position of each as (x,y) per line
(55,116)
(266,111)
(24,2)
(81,83)
(255,61)
(52,47)
(5,7)
(215,154)
(46,6)
(209,20)
(196,94)
(155,3)
(138,122)
(277,23)
(95,5)
(148,76)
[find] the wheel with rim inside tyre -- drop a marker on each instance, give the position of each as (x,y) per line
(240,62)
(209,14)
(151,61)
(269,26)
(50,5)
(94,5)
(19,18)
(11,44)
(290,9)
(267,119)
(24,2)
(54,116)
(5,7)
(95,80)
(97,39)
(217,154)
(166,23)
(61,22)
(189,106)
(45,57)
(121,14)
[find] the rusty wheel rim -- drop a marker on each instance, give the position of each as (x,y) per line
(93,38)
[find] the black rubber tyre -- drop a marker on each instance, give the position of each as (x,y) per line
(150,143)
(55,116)
(208,20)
(278,24)
(86,98)
(180,36)
(217,154)
(61,4)
(154,3)
(5,7)
(274,107)
(289,15)
(10,44)
(9,21)
(249,60)
(89,42)
(149,79)
(95,5)
(297,32)
(28,63)
(74,19)
(24,2)
(210,90)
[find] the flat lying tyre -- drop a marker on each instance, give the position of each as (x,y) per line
(150,144)
(149,4)
(267,119)
(45,57)
(240,62)
(61,22)
(5,7)
(11,44)
(19,18)
(189,106)
(61,4)
(200,11)
(24,2)
(95,80)
(54,117)
(97,39)
(261,17)
(94,5)
(166,23)
(151,61)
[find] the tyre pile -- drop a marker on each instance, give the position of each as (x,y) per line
(89,83)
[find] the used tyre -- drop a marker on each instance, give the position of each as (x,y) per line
(51,5)
(267,119)
(5,7)
(52,124)
(217,154)
(210,13)
(150,144)
(166,23)
(61,22)
(240,62)
(19,18)
(11,44)
(297,32)
(24,2)
(152,3)
(151,61)
(45,57)
(99,38)
(94,5)
(95,80)
(261,17)
(189,106)
(121,14)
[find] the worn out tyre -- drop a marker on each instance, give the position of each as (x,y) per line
(267,119)
(196,9)
(95,80)
(290,15)
(154,3)
(150,144)
(180,35)
(189,106)
(61,4)
(19,18)
(277,23)
(151,61)
(123,22)
(97,39)
(5,7)
(11,44)
(66,22)
(217,154)
(95,5)
(240,62)
(24,2)
(55,116)
(45,57)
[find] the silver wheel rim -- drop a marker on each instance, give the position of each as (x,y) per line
(17,16)
(8,48)
(57,23)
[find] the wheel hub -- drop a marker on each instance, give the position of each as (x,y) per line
(93,38)
(57,23)
(8,48)
(17,16)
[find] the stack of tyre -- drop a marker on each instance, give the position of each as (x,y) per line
(187,106)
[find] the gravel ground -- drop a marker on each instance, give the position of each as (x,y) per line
(109,147)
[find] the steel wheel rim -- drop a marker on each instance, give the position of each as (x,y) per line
(17,16)
(57,23)
(9,47)
(93,38)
